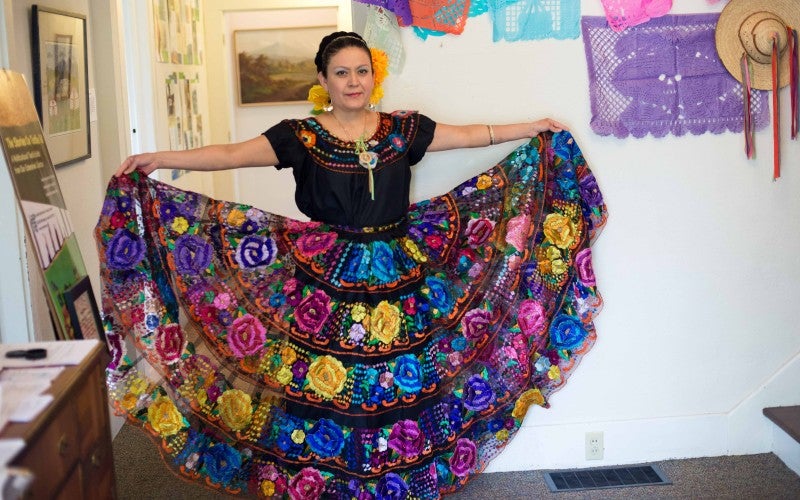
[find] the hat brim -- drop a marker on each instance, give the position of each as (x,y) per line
(729,45)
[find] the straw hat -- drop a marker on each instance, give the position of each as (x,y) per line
(748,26)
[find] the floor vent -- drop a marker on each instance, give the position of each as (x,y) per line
(605,477)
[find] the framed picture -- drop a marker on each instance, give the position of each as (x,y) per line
(276,65)
(83,313)
(60,78)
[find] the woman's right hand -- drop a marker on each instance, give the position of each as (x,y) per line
(147,162)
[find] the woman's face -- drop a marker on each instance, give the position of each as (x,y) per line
(349,79)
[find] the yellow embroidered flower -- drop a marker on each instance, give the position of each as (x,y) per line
(484,181)
(284,375)
(129,401)
(288,355)
(413,249)
(528,398)
(236,218)
(501,435)
(385,322)
(557,264)
(298,436)
(164,417)
(358,312)
(559,230)
(235,408)
(267,488)
(326,376)
(202,396)
(554,373)
(138,386)
(180,225)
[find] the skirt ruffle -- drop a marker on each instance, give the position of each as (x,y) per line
(275,357)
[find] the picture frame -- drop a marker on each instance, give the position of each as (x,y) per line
(84,315)
(276,65)
(60,83)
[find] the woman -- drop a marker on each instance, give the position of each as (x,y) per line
(381,350)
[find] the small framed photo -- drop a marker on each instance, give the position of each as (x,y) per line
(60,79)
(83,313)
(276,65)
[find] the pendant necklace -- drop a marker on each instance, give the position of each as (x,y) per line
(367,159)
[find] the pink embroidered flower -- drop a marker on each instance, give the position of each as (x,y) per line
(222,301)
(311,244)
(312,312)
(246,336)
(434,241)
(293,291)
(406,438)
(475,323)
(297,226)
(465,455)
(517,231)
(531,317)
(170,343)
(308,484)
(478,231)
(585,270)
(410,306)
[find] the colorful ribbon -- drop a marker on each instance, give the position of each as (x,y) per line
(749,128)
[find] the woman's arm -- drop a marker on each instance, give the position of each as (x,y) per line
(256,152)
(473,136)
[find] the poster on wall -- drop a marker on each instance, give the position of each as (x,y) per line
(47,221)
(177,29)
(184,118)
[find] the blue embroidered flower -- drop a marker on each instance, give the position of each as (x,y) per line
(439,294)
(325,438)
(383,263)
(391,487)
(192,254)
(222,463)
(125,250)
(567,332)
(408,373)
(256,251)
(496,424)
(249,227)
(277,299)
(151,321)
(124,203)
(357,266)
(565,146)
(478,393)
(458,343)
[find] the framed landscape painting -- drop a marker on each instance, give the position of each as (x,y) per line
(276,65)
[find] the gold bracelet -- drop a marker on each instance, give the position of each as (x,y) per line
(491,135)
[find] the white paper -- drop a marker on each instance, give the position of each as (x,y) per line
(59,353)
(28,408)
(10,448)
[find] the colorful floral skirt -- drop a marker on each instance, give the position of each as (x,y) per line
(274,357)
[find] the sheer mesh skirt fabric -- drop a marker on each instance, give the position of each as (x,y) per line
(274,357)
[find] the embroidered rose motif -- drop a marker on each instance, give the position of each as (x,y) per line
(567,332)
(256,251)
(170,343)
(406,438)
(559,230)
(326,376)
(392,486)
(235,409)
(383,263)
(312,311)
(222,463)
(517,231)
(125,250)
(478,231)
(478,393)
(475,323)
(385,322)
(464,457)
(325,438)
(408,373)
(246,336)
(164,417)
(308,484)
(311,244)
(531,317)
(192,254)
(583,262)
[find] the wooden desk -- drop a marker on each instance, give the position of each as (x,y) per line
(68,446)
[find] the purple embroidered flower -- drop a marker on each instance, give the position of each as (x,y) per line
(308,484)
(478,231)
(406,438)
(124,250)
(325,438)
(391,487)
(256,251)
(221,462)
(311,244)
(247,336)
(465,455)
(567,332)
(590,192)
(312,311)
(170,343)
(531,317)
(225,318)
(293,291)
(299,369)
(192,254)
(109,206)
(168,211)
(475,323)
(357,332)
(478,393)
(249,227)
(408,373)
(583,261)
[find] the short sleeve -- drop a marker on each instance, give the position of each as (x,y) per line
(284,142)
(422,138)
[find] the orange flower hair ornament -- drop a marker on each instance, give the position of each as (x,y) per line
(318,96)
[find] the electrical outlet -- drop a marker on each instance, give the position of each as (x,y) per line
(594,446)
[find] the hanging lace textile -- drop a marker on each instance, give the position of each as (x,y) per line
(663,77)
(622,14)
(381,31)
(269,356)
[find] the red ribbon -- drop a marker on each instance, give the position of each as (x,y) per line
(791,40)
(749,129)
(776,144)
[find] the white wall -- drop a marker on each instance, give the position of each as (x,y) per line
(698,264)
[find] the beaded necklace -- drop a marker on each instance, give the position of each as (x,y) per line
(367,159)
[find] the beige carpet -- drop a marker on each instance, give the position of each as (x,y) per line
(141,474)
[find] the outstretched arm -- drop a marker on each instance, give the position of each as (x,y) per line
(473,136)
(256,152)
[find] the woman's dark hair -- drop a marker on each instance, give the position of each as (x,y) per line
(335,42)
